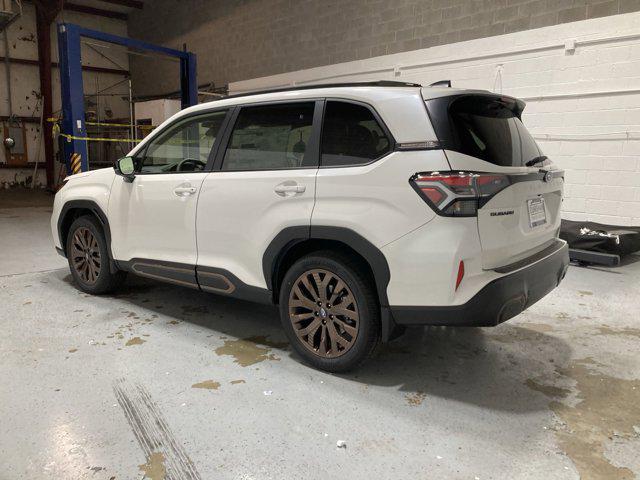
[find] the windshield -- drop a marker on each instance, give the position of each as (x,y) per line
(485,127)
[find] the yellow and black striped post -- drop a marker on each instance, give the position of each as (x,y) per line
(75,163)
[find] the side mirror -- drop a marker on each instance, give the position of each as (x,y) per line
(126,168)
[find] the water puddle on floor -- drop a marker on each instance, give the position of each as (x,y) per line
(607,407)
(251,350)
(623,331)
(207,384)
(134,341)
(549,390)
(415,399)
(154,469)
(538,327)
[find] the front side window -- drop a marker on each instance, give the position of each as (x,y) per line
(271,137)
(184,147)
(351,135)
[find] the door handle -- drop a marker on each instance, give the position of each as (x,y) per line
(285,189)
(184,191)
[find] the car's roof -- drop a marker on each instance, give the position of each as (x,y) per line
(396,102)
(378,83)
(356,91)
(361,90)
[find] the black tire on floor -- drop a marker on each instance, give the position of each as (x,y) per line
(103,280)
(363,293)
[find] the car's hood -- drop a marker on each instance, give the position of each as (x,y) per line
(87,174)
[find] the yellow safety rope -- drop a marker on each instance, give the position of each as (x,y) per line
(98,139)
(103,124)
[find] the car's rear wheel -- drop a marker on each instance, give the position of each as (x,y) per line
(329,311)
(89,258)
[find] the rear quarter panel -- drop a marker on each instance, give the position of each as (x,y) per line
(376,200)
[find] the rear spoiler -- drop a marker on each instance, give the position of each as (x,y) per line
(514,104)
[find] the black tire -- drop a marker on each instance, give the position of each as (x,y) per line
(365,306)
(96,276)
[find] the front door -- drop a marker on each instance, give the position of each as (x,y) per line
(263,182)
(153,218)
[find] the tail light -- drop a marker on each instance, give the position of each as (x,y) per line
(458,194)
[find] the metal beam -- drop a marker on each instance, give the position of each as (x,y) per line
(86,68)
(45,13)
(188,84)
(74,7)
(72,91)
(126,3)
(73,123)
(125,41)
(188,69)
(19,118)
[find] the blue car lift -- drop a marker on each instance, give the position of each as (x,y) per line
(73,115)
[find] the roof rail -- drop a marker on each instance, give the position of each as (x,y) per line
(379,83)
(441,83)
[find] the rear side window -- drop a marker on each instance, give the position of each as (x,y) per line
(271,137)
(351,135)
(485,127)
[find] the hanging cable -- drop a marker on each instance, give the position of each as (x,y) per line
(40,140)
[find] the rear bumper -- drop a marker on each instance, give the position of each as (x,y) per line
(498,301)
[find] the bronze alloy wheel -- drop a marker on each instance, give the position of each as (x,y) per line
(324,313)
(85,255)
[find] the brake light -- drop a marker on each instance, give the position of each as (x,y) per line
(458,194)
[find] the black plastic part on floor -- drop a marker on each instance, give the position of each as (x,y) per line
(584,237)
(598,258)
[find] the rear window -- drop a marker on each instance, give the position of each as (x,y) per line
(485,127)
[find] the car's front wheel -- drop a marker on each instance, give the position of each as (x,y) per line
(329,311)
(89,258)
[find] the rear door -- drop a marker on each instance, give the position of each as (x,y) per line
(484,133)
(263,181)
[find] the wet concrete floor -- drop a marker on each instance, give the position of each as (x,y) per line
(162,382)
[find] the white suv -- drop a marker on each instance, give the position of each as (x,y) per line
(358,209)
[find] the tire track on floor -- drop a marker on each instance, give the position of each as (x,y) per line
(166,458)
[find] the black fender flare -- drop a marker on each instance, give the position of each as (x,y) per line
(94,208)
(291,236)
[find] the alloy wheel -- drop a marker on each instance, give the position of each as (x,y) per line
(85,255)
(324,313)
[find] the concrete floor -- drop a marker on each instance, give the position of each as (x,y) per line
(170,383)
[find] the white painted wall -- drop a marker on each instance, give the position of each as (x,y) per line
(157,110)
(583,105)
(25,80)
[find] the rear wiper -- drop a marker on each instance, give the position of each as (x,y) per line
(539,159)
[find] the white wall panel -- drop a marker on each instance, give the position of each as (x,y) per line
(583,105)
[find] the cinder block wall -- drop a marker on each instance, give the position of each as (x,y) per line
(242,39)
(583,104)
